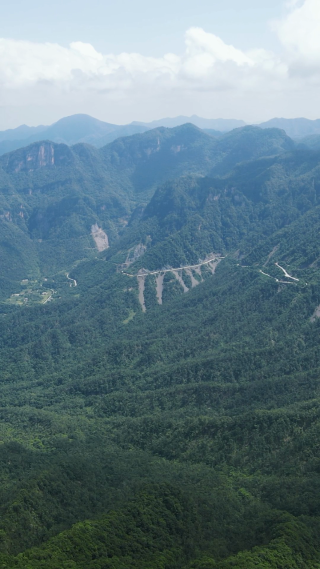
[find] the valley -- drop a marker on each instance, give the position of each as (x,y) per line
(31,293)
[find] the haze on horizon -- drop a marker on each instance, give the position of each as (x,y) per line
(143,62)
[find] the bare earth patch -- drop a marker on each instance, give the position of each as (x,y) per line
(212,260)
(274,250)
(141,283)
(178,275)
(100,237)
(315,315)
(159,287)
(194,281)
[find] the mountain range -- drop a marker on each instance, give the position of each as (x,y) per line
(159,348)
(85,129)
(53,194)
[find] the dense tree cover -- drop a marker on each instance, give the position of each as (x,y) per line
(51,194)
(185,436)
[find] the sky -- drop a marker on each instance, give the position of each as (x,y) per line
(141,60)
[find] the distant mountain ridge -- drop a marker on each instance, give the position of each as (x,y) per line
(222,125)
(68,130)
(82,128)
(21,132)
(295,128)
(85,129)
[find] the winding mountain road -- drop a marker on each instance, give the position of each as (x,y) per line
(145,272)
(285,273)
(73,280)
(274,278)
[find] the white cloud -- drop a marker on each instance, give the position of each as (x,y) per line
(26,63)
(210,77)
(292,3)
(299,33)
(200,43)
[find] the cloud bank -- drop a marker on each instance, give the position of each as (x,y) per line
(209,75)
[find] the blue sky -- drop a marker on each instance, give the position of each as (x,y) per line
(141,25)
(143,60)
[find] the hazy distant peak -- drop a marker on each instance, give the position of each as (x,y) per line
(296,128)
(203,123)
(83,120)
(22,132)
(82,128)
(79,128)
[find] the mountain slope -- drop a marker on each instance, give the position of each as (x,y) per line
(160,154)
(206,385)
(186,434)
(55,195)
(190,217)
(312,141)
(250,143)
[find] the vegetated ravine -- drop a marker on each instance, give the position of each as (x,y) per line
(159,348)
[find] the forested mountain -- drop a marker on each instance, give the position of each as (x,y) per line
(159,348)
(312,141)
(60,204)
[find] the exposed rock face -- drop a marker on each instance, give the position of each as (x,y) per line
(141,284)
(38,155)
(177,148)
(178,275)
(194,281)
(134,254)
(100,237)
(159,287)
(315,315)
(155,147)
